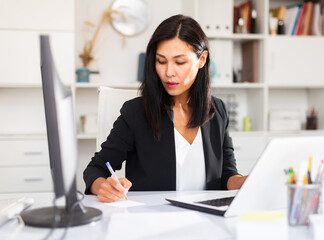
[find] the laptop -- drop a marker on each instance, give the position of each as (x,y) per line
(265,188)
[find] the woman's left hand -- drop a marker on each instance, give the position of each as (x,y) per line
(235,182)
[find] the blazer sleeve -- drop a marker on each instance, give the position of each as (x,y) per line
(229,161)
(115,149)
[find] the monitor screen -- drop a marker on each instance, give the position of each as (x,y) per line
(63,151)
(61,131)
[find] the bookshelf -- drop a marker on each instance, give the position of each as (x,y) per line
(290,77)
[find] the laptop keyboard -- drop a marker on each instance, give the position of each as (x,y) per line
(218,202)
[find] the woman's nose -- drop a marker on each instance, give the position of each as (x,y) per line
(169,70)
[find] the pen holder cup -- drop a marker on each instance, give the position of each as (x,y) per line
(303,200)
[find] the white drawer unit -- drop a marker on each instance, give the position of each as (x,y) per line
(24,153)
(25,179)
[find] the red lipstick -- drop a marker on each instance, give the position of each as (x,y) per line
(172,84)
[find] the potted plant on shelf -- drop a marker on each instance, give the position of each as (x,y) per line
(87,54)
(128,18)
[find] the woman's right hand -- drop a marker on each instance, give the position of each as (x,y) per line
(110,189)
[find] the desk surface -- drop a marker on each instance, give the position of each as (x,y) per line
(154,202)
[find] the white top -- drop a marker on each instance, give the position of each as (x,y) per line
(190,166)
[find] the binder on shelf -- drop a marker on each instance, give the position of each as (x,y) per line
(221,53)
(250,61)
(215,17)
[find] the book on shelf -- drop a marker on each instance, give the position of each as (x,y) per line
(300,7)
(305,25)
(250,61)
(245,13)
(317,18)
(300,19)
(290,18)
(242,18)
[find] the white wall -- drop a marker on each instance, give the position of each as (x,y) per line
(118,63)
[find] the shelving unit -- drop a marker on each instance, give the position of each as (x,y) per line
(290,73)
(290,76)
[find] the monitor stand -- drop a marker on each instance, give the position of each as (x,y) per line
(72,214)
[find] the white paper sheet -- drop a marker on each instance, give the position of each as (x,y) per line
(125,203)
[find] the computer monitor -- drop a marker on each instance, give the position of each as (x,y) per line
(63,151)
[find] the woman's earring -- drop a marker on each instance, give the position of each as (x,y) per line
(188,100)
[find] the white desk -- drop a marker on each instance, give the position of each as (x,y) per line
(154,203)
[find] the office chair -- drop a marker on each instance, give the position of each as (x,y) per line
(110,101)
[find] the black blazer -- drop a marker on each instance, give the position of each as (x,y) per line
(151,165)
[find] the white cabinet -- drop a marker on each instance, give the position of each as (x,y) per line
(37,14)
(24,163)
(22,111)
(24,152)
(296,60)
(21,56)
(25,179)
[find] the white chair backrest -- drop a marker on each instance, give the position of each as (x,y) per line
(109,104)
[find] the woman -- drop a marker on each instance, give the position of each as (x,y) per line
(173,137)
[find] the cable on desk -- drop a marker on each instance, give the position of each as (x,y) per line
(72,213)
(57,219)
(17,229)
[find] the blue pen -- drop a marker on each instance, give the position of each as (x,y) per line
(113,174)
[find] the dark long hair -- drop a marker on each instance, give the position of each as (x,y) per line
(156,100)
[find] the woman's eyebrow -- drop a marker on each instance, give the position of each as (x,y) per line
(177,56)
(160,55)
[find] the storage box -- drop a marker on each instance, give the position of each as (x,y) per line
(285,120)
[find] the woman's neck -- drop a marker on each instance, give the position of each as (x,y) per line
(181,102)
